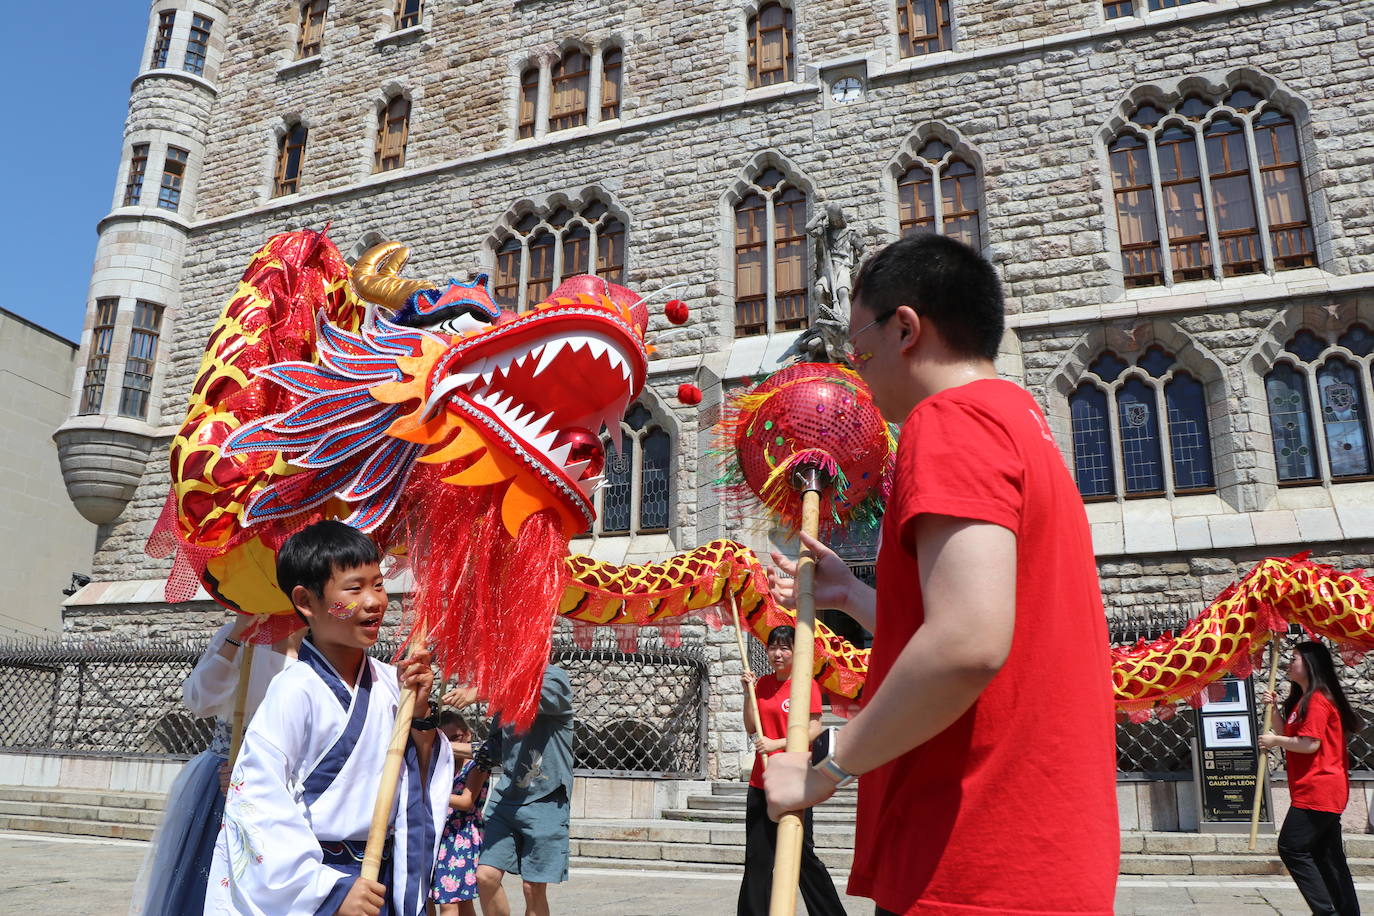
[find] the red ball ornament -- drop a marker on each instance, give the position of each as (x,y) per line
(585,447)
(689,394)
(676,310)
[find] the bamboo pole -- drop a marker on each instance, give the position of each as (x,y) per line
(787,858)
(239,720)
(752,698)
(1264,754)
(391,773)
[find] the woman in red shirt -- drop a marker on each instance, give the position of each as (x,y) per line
(760,833)
(1316,720)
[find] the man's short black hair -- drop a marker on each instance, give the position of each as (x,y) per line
(944,281)
(313,554)
(449,717)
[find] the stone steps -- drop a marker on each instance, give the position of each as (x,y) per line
(80,812)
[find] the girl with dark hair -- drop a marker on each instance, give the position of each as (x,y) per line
(1317,719)
(760,833)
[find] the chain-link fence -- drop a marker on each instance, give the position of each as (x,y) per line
(1156,749)
(640,713)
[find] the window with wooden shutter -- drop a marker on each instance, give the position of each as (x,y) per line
(529,101)
(770,46)
(393,129)
(612,61)
(409,13)
(923,26)
(570,80)
(290,159)
(313,14)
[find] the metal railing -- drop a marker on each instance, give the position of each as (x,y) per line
(635,713)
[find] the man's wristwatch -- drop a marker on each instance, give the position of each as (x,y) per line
(827,765)
(429,722)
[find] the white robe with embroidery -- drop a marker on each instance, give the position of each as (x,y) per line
(308,772)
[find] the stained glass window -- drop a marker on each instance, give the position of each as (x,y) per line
(654,483)
(647,452)
(1190,447)
(1092,454)
(1290,422)
(1138,423)
(1343,418)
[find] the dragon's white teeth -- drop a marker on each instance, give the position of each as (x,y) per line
(486,378)
(504,406)
(559,456)
(575,470)
(537,426)
(612,425)
(463,378)
(576,343)
(545,442)
(551,351)
(597,347)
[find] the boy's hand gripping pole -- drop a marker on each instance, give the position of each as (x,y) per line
(391,773)
(811,480)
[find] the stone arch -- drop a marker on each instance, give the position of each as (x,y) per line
(908,154)
(547,204)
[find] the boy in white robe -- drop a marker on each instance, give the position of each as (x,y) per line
(302,792)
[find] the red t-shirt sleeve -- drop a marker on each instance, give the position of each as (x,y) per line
(1317,719)
(955,460)
(816,707)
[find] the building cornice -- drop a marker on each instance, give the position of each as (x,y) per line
(199,82)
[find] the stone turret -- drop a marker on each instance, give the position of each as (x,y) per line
(135,292)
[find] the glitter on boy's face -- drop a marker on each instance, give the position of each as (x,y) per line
(343,611)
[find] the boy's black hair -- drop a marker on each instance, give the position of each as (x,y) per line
(782,636)
(310,556)
(449,717)
(944,281)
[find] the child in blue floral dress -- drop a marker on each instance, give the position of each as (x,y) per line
(455,872)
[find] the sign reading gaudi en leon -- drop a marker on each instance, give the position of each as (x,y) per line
(1227,755)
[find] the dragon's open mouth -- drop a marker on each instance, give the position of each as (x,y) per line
(553,379)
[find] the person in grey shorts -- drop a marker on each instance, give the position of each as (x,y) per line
(527,812)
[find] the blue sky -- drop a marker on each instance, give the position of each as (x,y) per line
(69,75)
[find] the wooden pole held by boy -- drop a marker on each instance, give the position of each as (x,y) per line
(1264,754)
(391,773)
(751,696)
(787,857)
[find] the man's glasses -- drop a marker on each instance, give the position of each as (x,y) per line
(848,351)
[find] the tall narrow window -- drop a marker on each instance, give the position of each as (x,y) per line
(173,173)
(923,26)
(529,101)
(637,496)
(1160,442)
(162,41)
(612,61)
(570,78)
(770,46)
(409,13)
(98,360)
(197,45)
(1135,211)
(546,248)
(313,13)
(133,184)
(935,174)
(393,129)
(1167,148)
(1228,168)
(1336,378)
(770,256)
(290,158)
(1285,204)
(142,360)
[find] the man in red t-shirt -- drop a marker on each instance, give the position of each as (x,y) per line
(986,741)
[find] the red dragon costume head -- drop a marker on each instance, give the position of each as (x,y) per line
(460,435)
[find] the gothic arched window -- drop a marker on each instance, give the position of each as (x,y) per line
(938,174)
(1115,415)
(1336,377)
(770,256)
(636,498)
(1188,169)
(544,248)
(770,44)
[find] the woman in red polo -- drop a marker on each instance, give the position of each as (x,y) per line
(1316,720)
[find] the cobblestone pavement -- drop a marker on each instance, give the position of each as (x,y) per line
(76,877)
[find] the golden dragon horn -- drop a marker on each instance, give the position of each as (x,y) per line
(375,276)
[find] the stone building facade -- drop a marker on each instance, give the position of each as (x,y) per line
(1206,367)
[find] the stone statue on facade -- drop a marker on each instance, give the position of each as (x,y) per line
(837,249)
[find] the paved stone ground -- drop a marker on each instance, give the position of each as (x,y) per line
(76,877)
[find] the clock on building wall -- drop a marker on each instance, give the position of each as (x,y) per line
(847,89)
